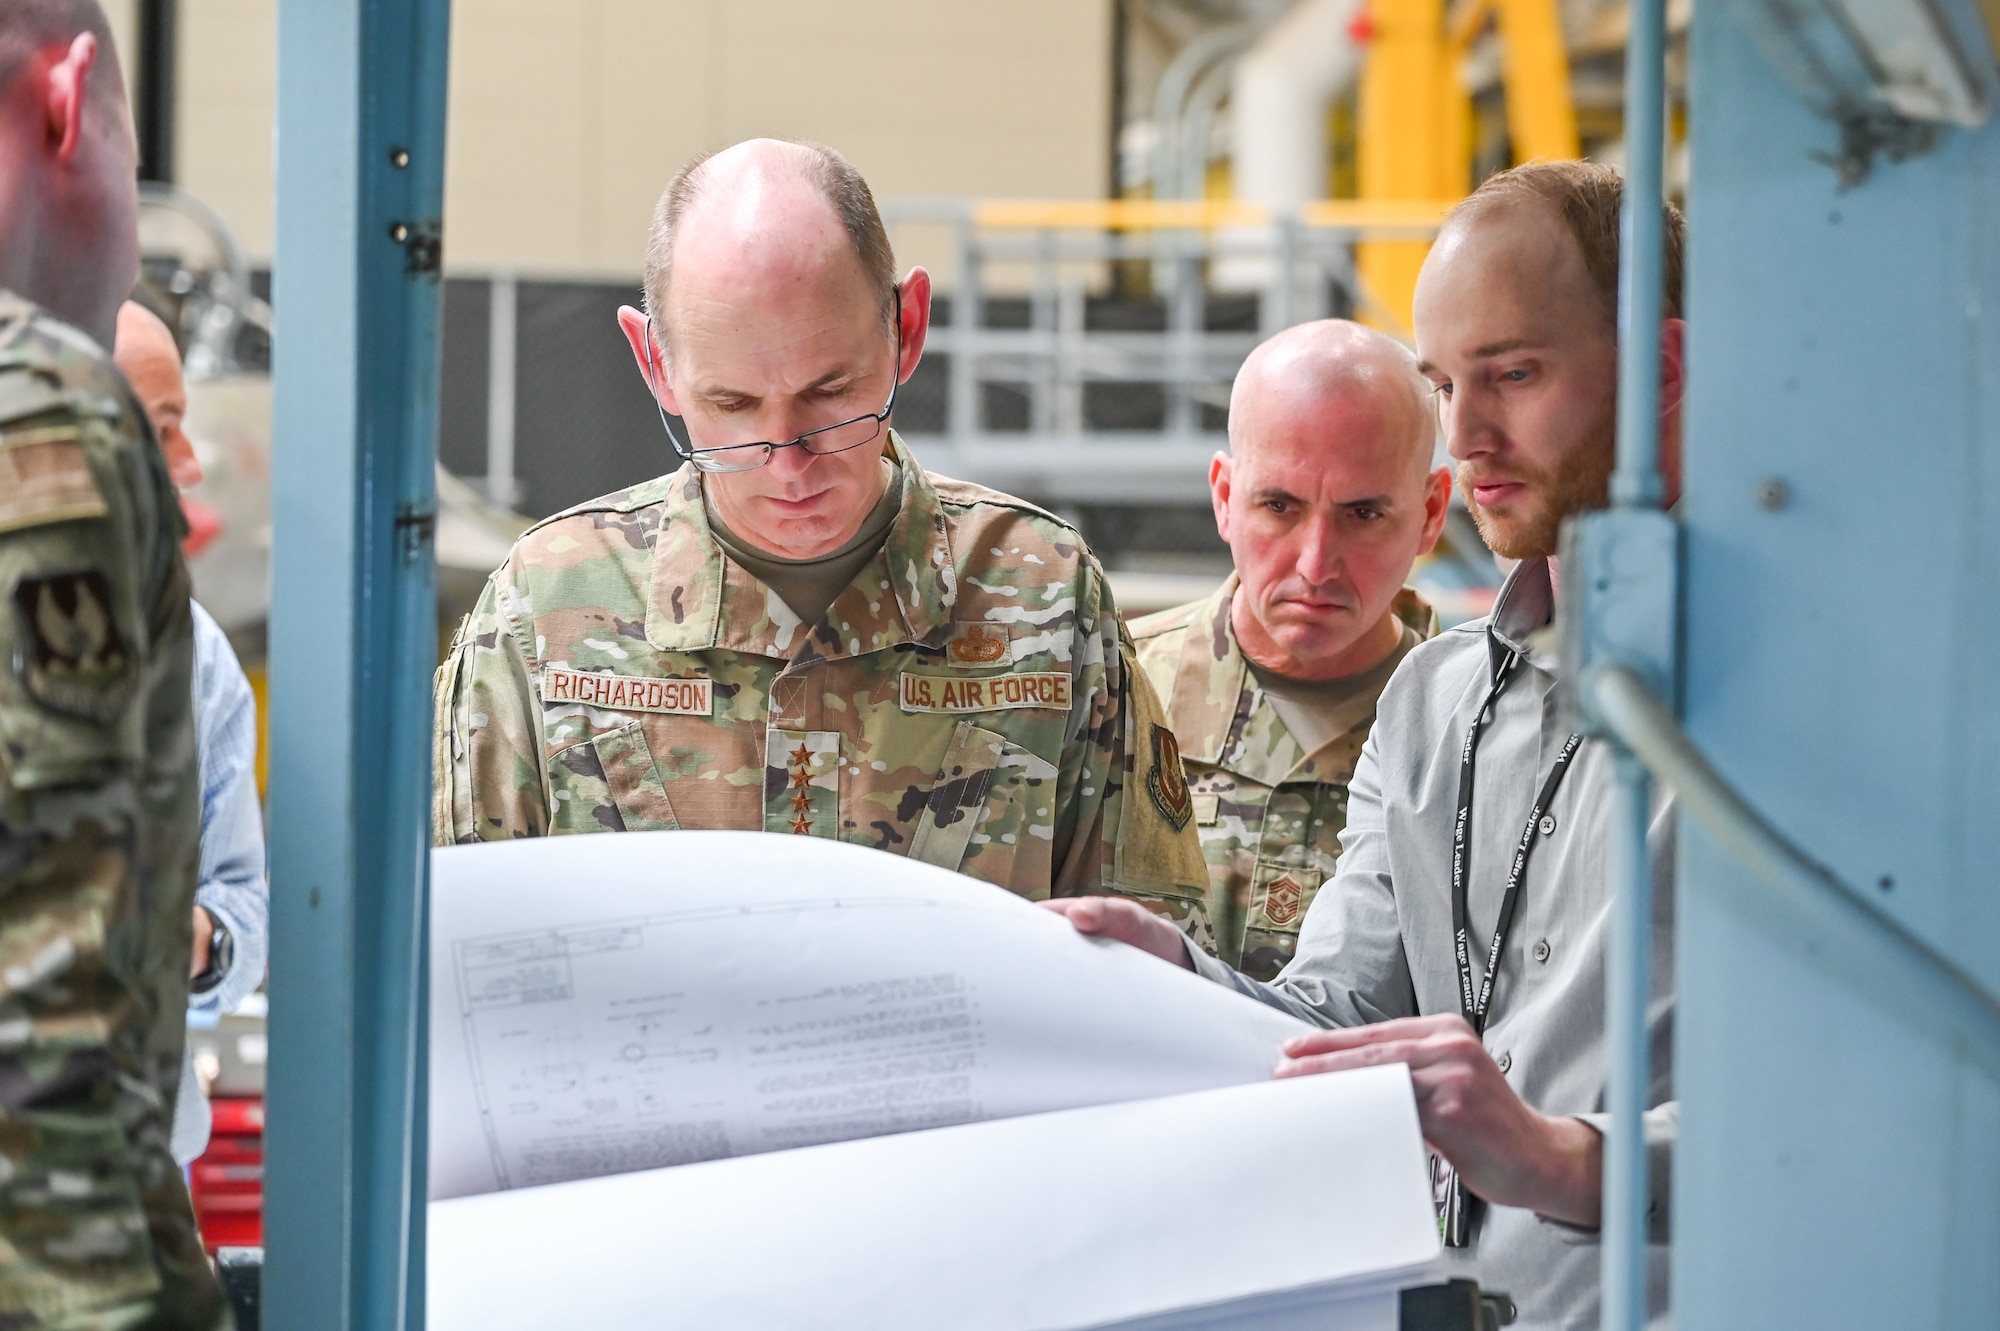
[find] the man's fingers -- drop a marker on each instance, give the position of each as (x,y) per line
(1088,914)
(1415,1053)
(1351,1037)
(1328,1042)
(1124,922)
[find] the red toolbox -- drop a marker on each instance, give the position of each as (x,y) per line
(228,1180)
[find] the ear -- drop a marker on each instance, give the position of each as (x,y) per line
(1218,492)
(1437,503)
(916,290)
(69,96)
(647,353)
(1673,364)
(1673,392)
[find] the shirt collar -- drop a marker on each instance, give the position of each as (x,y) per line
(698,600)
(1525,607)
(1209,679)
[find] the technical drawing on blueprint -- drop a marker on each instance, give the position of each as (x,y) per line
(724,994)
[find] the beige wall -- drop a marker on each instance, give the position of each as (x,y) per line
(124,16)
(225,110)
(566,119)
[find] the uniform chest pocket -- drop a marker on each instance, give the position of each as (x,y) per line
(990,812)
(609,783)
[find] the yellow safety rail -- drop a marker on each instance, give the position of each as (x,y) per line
(1395,216)
(1116,214)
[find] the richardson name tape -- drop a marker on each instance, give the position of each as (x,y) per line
(627,693)
(993,693)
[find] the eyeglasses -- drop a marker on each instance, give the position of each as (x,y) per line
(836,438)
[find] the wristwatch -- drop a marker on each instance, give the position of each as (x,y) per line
(221,955)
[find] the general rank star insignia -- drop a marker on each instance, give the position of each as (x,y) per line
(1167,782)
(801,756)
(802,825)
(801,802)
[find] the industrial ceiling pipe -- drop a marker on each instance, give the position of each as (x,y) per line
(1279,98)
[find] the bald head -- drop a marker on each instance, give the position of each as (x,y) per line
(151,361)
(768,213)
(771,320)
(1311,376)
(1326,497)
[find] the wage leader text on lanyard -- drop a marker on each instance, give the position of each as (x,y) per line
(1455,1220)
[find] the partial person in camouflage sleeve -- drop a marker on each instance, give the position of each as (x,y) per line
(810,635)
(99,799)
(1327,497)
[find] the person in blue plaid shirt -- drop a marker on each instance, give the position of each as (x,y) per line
(232,913)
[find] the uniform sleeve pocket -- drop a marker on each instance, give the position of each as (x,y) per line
(634,780)
(958,796)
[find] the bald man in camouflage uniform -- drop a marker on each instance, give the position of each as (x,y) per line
(815,638)
(98,795)
(1326,498)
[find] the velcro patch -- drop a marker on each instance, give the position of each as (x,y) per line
(1282,900)
(1168,780)
(991,693)
(73,658)
(44,477)
(628,693)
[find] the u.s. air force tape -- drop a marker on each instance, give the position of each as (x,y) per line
(628,693)
(989,693)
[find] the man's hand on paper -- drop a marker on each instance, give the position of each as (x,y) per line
(1506,1151)
(1125,921)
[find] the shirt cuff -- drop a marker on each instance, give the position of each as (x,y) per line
(236,982)
(1661,1126)
(1206,966)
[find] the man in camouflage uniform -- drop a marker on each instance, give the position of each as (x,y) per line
(1326,498)
(812,638)
(98,795)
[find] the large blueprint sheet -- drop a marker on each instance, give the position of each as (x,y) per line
(1300,1205)
(606,1004)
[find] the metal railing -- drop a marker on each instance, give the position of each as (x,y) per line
(1058,257)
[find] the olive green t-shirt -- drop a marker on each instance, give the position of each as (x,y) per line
(809,586)
(1315,710)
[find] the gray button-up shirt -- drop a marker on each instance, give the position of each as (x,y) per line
(1377,942)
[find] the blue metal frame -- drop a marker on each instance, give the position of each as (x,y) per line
(361,104)
(1840,1138)
(1635,485)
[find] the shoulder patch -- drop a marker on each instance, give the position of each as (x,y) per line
(45,477)
(71,657)
(1167,782)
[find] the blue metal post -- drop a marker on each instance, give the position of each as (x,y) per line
(1635,484)
(1628,1052)
(361,88)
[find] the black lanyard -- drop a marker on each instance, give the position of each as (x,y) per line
(1473,1005)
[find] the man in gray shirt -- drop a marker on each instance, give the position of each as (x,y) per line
(1516,328)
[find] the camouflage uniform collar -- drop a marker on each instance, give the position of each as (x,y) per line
(700,600)
(1209,656)
(922,568)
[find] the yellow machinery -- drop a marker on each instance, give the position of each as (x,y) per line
(1415,122)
